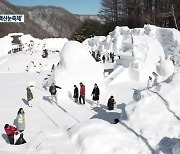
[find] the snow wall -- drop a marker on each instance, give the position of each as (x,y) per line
(5,45)
(143,48)
(47,43)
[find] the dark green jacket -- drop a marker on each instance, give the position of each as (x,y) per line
(29,94)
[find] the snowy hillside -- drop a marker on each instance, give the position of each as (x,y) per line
(153,114)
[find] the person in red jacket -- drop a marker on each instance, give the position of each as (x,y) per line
(82,93)
(10,131)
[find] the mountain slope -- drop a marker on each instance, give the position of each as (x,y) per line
(55,20)
(40,21)
(28,27)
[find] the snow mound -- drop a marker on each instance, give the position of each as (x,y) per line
(98,136)
(165,68)
(75,55)
(77,65)
(153,113)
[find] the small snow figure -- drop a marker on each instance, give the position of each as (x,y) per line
(155,82)
(111,103)
(136,95)
(21,120)
(82,93)
(123,112)
(20,140)
(149,83)
(76,93)
(10,131)
(95,94)
(53,91)
(29,96)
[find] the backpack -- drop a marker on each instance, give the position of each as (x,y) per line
(20,140)
(52,89)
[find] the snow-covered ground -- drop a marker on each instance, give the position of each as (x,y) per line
(153,122)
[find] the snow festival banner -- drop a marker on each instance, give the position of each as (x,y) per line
(11,18)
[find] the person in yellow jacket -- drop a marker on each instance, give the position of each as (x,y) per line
(21,120)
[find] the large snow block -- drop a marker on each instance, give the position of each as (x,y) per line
(77,65)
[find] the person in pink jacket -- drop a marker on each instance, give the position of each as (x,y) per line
(10,131)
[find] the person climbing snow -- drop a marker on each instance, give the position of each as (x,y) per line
(53,91)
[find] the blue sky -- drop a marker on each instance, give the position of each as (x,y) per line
(74,6)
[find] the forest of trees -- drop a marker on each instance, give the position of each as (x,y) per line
(131,13)
(136,13)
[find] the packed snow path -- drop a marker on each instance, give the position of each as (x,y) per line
(66,114)
(14,94)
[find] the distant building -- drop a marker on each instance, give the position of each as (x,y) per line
(16,43)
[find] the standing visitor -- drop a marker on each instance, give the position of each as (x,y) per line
(82,93)
(95,94)
(21,120)
(103,58)
(76,93)
(111,103)
(29,96)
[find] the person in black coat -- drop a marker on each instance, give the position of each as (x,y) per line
(45,53)
(95,94)
(53,91)
(76,93)
(111,103)
(103,58)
